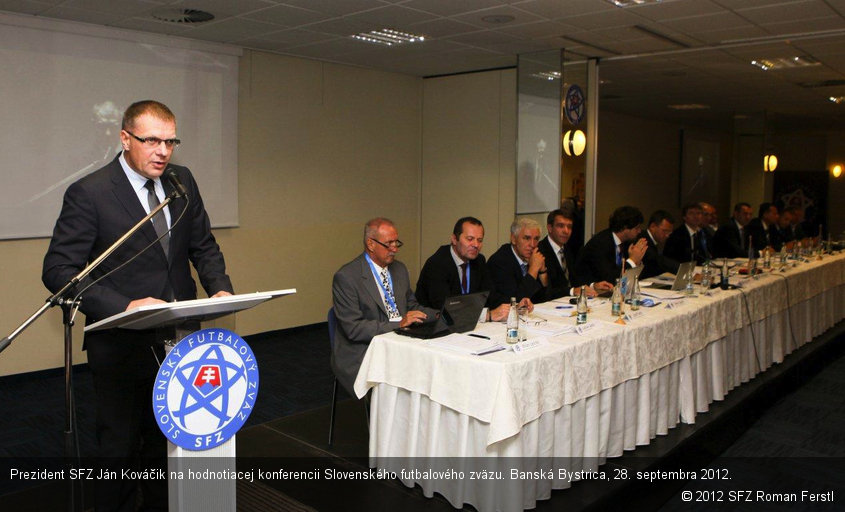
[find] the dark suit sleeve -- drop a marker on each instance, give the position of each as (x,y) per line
(505,281)
(203,250)
(74,237)
(433,286)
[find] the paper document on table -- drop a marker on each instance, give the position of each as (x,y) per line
(467,344)
(552,309)
(661,294)
(550,328)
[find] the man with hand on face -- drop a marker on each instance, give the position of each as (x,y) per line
(371,295)
(457,269)
(659,228)
(560,259)
(518,269)
(600,260)
(97,210)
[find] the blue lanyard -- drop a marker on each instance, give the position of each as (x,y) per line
(387,297)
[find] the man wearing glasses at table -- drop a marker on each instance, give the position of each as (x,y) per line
(151,267)
(371,295)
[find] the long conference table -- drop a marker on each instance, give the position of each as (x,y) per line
(461,424)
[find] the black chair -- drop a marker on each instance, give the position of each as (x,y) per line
(332,322)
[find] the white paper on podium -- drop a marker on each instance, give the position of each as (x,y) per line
(157,315)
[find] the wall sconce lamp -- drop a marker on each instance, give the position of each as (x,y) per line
(574,142)
(770,163)
(837,171)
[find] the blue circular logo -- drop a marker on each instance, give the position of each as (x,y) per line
(574,105)
(205,389)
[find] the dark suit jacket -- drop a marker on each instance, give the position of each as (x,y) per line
(727,242)
(761,237)
(559,285)
(508,280)
(655,262)
(678,246)
(440,278)
(97,210)
(597,260)
(361,314)
(780,237)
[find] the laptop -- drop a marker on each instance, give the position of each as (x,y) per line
(686,273)
(625,280)
(459,313)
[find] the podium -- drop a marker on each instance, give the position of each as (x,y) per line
(189,493)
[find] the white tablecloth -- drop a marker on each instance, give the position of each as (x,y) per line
(576,400)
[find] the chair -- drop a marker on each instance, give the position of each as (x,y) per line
(332,323)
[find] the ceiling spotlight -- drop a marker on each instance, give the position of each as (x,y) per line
(837,99)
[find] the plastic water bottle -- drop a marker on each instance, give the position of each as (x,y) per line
(616,299)
(635,294)
(513,323)
(582,308)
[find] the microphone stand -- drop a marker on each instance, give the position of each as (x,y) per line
(69,308)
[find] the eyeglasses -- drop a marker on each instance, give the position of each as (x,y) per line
(154,142)
(395,244)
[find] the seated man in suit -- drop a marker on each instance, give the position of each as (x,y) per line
(709,219)
(782,231)
(459,268)
(760,228)
(689,242)
(371,295)
(599,262)
(560,259)
(659,228)
(517,268)
(797,218)
(731,240)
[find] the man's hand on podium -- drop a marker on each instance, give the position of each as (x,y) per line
(221,293)
(148,301)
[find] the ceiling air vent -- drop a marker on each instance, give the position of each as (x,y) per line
(182,15)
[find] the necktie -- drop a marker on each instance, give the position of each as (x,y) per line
(696,245)
(742,238)
(464,284)
(524,267)
(390,300)
(159,221)
(618,257)
(562,257)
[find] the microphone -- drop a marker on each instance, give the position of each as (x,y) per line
(180,189)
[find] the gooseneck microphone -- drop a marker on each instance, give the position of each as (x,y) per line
(180,189)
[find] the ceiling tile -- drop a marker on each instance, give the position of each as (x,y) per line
(232,30)
(391,17)
(477,17)
(336,8)
(286,16)
(450,7)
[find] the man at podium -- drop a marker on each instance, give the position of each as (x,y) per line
(97,210)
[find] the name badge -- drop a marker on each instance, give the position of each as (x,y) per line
(585,328)
(675,303)
(633,315)
(527,345)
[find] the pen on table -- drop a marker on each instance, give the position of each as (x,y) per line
(563,307)
(491,351)
(479,336)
